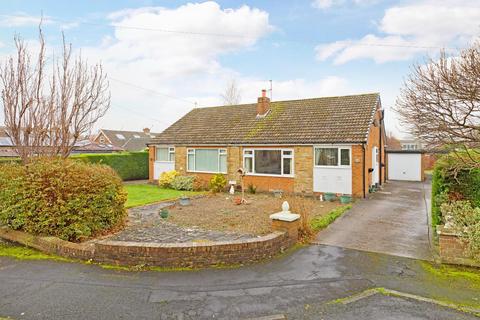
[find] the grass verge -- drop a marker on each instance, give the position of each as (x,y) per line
(319,223)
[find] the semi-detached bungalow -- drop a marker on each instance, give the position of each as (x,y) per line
(330,144)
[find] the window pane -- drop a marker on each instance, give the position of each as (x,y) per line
(268,161)
(223,163)
(172,157)
(326,156)
(287,166)
(248,164)
(345,157)
(191,161)
(162,154)
(206,160)
(287,152)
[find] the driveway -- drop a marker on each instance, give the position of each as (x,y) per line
(393,221)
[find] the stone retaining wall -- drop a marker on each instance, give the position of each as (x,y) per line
(193,254)
(453,249)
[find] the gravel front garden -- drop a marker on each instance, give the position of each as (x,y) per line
(213,217)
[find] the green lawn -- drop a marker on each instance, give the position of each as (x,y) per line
(142,194)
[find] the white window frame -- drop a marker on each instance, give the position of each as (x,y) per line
(339,157)
(220,151)
(171,150)
(284,156)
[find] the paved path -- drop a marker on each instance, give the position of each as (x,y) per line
(299,286)
(146,225)
(392,221)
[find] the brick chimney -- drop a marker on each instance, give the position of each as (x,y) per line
(146,130)
(263,104)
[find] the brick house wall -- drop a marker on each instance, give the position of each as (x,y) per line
(302,182)
(357,160)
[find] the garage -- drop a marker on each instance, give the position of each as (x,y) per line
(404,165)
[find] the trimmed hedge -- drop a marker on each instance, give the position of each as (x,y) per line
(128,165)
(451,181)
(68,199)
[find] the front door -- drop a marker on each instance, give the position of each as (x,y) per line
(375,166)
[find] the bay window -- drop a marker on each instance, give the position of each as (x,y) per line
(207,160)
(165,154)
(332,156)
(277,162)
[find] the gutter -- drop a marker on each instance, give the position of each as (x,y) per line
(363,171)
(380,147)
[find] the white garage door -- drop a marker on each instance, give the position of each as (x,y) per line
(405,166)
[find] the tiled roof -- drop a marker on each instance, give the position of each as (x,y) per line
(318,120)
(129,140)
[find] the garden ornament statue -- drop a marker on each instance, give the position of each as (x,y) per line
(232,190)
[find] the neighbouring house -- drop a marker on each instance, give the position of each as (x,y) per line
(411,144)
(319,145)
(126,140)
(7,149)
(88,146)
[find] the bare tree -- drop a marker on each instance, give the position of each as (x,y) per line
(45,114)
(232,95)
(440,101)
(393,142)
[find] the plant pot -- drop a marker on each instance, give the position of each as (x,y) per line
(328,196)
(164,213)
(185,201)
(345,199)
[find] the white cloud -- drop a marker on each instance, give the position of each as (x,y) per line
(182,60)
(415,28)
(23,19)
(326,4)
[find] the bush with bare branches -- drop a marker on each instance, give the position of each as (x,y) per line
(46,112)
(440,101)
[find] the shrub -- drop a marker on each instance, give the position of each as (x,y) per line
(183,183)
(217,183)
(466,221)
(128,165)
(252,188)
(200,184)
(454,179)
(68,199)
(166,178)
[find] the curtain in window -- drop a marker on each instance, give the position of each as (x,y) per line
(162,154)
(326,156)
(223,163)
(268,161)
(345,157)
(206,160)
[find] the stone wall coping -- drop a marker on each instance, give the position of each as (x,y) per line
(267,237)
(441,230)
(187,254)
(285,216)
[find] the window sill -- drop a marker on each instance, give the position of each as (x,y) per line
(210,172)
(333,167)
(270,175)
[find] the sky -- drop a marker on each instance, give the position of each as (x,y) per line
(164,58)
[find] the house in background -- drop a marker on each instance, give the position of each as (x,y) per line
(6,145)
(125,140)
(7,148)
(411,144)
(88,146)
(331,144)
